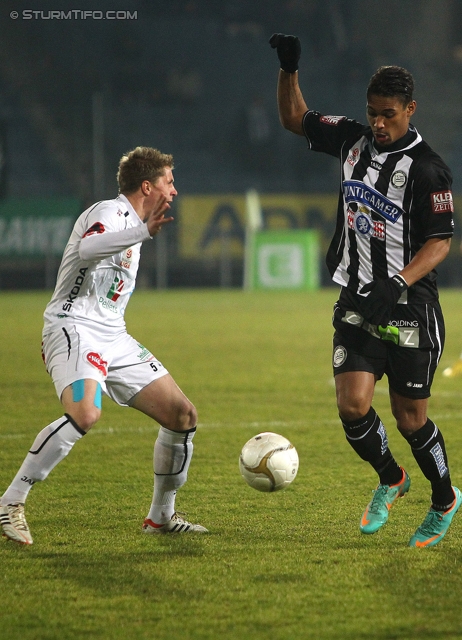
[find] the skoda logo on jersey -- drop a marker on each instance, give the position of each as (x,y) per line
(362,194)
(399,179)
(363,224)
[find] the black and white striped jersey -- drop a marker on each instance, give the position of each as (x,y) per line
(391,202)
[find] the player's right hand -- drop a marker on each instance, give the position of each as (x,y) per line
(383,297)
(288,49)
(156,217)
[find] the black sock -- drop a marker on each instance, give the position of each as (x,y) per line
(369,439)
(427,445)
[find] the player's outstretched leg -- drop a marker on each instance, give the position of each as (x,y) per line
(436,524)
(368,437)
(50,446)
(172,457)
(376,512)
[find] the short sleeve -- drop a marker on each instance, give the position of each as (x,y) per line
(103,217)
(433,197)
(329,133)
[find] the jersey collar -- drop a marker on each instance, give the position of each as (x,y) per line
(130,209)
(408,140)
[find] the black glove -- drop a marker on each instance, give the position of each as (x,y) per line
(289,50)
(384,294)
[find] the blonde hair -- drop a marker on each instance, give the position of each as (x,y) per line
(140,164)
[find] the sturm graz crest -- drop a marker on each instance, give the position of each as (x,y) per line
(363,224)
(399,179)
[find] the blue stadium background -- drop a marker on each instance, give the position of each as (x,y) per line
(198,79)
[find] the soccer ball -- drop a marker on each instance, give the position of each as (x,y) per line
(268,462)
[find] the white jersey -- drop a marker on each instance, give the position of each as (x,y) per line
(98,270)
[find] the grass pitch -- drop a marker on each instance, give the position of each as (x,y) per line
(286,565)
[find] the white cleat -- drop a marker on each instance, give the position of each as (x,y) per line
(14,523)
(176,524)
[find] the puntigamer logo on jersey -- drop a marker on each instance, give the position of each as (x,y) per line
(442,202)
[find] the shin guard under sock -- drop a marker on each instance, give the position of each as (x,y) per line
(172,456)
(50,446)
(429,451)
(368,437)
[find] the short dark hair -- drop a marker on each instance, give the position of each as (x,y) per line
(391,82)
(140,164)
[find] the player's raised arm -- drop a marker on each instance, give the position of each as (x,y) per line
(291,104)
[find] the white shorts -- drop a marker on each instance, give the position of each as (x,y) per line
(119,363)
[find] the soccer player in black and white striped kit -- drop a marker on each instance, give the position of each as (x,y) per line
(394,226)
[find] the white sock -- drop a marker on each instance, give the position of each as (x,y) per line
(172,456)
(51,445)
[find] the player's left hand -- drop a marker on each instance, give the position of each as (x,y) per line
(288,49)
(383,296)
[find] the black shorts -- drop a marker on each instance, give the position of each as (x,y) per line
(408,351)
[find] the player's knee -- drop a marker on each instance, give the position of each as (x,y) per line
(188,416)
(85,418)
(352,408)
(409,415)
(409,424)
(83,403)
(192,417)
(184,417)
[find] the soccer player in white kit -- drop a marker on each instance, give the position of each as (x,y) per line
(87,350)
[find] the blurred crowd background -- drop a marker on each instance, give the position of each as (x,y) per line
(197,78)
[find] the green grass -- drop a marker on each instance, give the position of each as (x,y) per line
(289,565)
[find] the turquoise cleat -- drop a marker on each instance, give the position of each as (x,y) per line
(376,513)
(436,523)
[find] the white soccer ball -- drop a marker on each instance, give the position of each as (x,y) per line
(268,462)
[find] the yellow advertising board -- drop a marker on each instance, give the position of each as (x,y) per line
(205,220)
